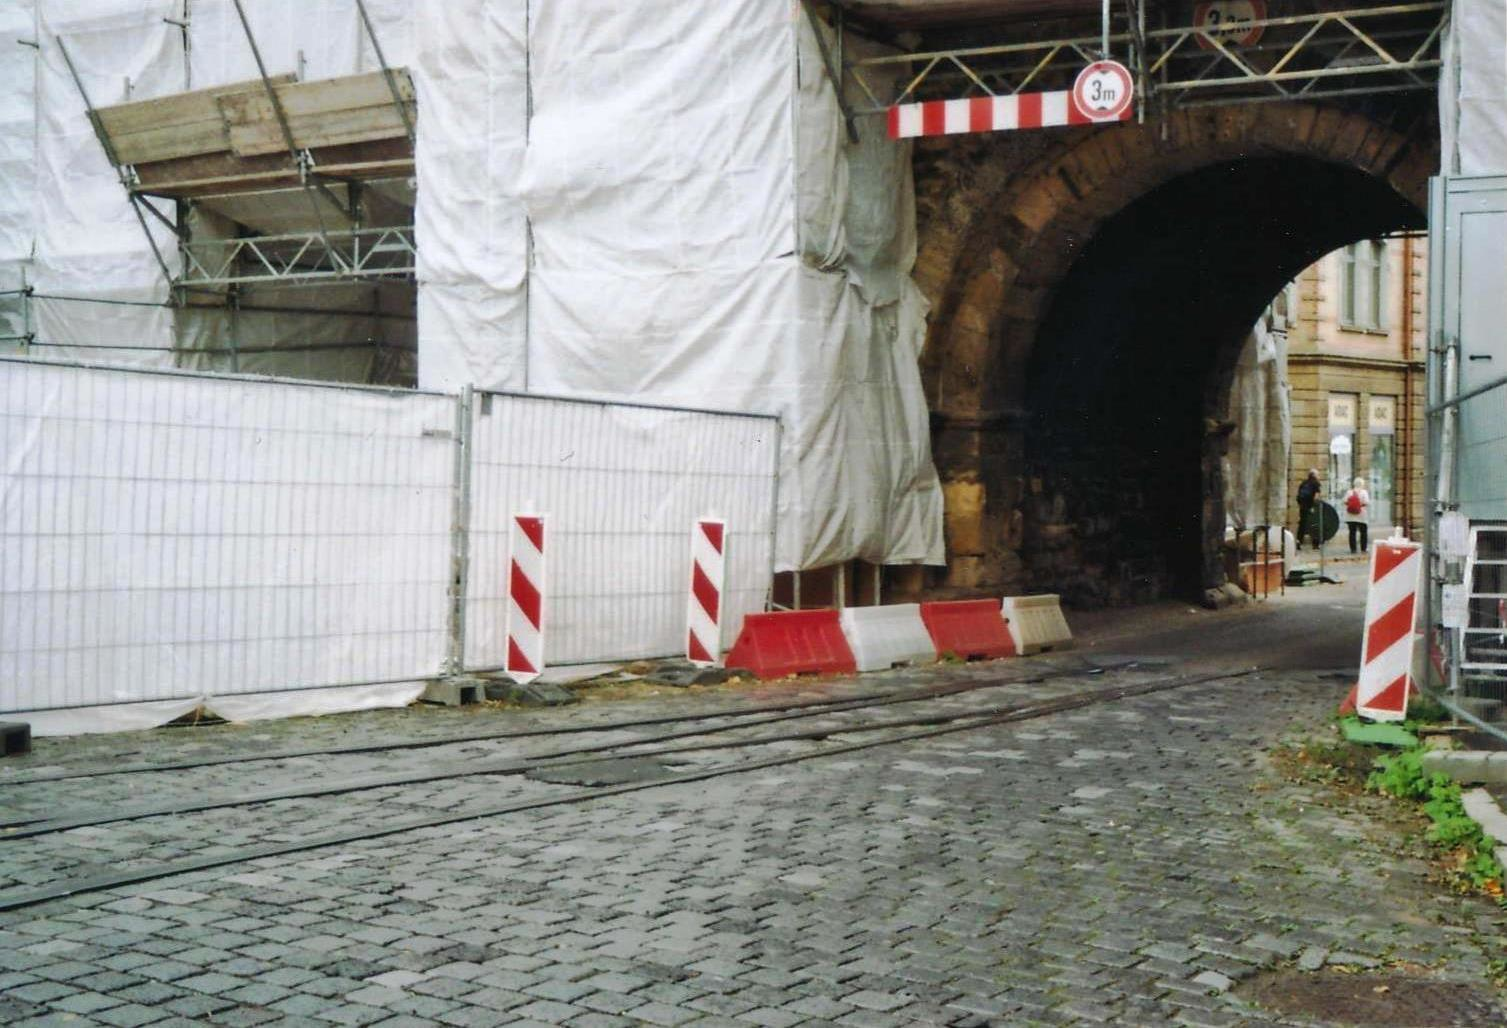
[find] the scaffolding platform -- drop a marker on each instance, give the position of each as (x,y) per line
(230,139)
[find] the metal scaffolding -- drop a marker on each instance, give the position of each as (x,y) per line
(322,254)
(305,258)
(1354,51)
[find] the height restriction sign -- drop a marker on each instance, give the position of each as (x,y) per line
(1103,91)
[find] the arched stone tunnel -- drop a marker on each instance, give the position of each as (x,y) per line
(1091,290)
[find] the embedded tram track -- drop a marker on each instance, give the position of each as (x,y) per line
(901,730)
(462,738)
(27,826)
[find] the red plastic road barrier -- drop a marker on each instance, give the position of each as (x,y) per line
(790,642)
(971,629)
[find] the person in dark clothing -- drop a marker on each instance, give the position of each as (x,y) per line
(1308,498)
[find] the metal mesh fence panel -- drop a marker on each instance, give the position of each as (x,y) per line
(620,486)
(167,535)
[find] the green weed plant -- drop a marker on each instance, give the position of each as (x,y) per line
(1452,830)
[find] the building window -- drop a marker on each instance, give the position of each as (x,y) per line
(1363,286)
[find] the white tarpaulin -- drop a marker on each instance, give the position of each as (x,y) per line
(649,198)
(87,240)
(17,162)
(1473,89)
(1256,463)
(469,70)
(703,233)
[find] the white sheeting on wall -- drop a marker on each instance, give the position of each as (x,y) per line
(1473,89)
(88,241)
(703,234)
(17,159)
(469,69)
(1256,490)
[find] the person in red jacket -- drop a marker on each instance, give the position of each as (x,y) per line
(1357,504)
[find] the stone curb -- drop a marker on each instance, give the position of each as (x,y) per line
(1483,808)
(1470,766)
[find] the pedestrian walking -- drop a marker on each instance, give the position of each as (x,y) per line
(1357,509)
(1308,517)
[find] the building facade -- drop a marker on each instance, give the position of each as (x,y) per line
(1355,364)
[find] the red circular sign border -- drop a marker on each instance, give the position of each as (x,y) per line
(1252,35)
(1114,115)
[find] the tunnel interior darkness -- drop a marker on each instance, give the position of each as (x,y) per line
(1127,385)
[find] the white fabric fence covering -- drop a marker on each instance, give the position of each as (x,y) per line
(170,537)
(1473,89)
(620,487)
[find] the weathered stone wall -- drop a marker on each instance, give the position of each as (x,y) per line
(1003,219)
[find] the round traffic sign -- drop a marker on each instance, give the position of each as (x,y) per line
(1103,91)
(1229,21)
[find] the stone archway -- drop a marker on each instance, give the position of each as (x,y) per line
(1005,221)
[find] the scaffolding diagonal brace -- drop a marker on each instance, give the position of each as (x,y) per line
(833,73)
(392,80)
(113,157)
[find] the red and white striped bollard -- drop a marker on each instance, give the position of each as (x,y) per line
(1386,665)
(704,605)
(526,590)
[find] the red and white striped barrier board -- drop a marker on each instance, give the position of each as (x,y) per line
(991,114)
(1386,660)
(525,657)
(704,606)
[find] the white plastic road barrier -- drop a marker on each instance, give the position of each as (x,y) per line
(704,605)
(1387,646)
(526,586)
(1036,622)
(881,637)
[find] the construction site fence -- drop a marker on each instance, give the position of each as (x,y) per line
(169,535)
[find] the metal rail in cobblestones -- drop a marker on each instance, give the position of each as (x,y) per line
(111,770)
(28,827)
(18,899)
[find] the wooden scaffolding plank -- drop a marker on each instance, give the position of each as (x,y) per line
(170,127)
(209,174)
(353,109)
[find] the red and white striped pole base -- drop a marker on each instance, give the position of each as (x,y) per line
(1386,662)
(704,605)
(525,658)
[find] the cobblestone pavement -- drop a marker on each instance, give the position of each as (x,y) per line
(1124,862)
